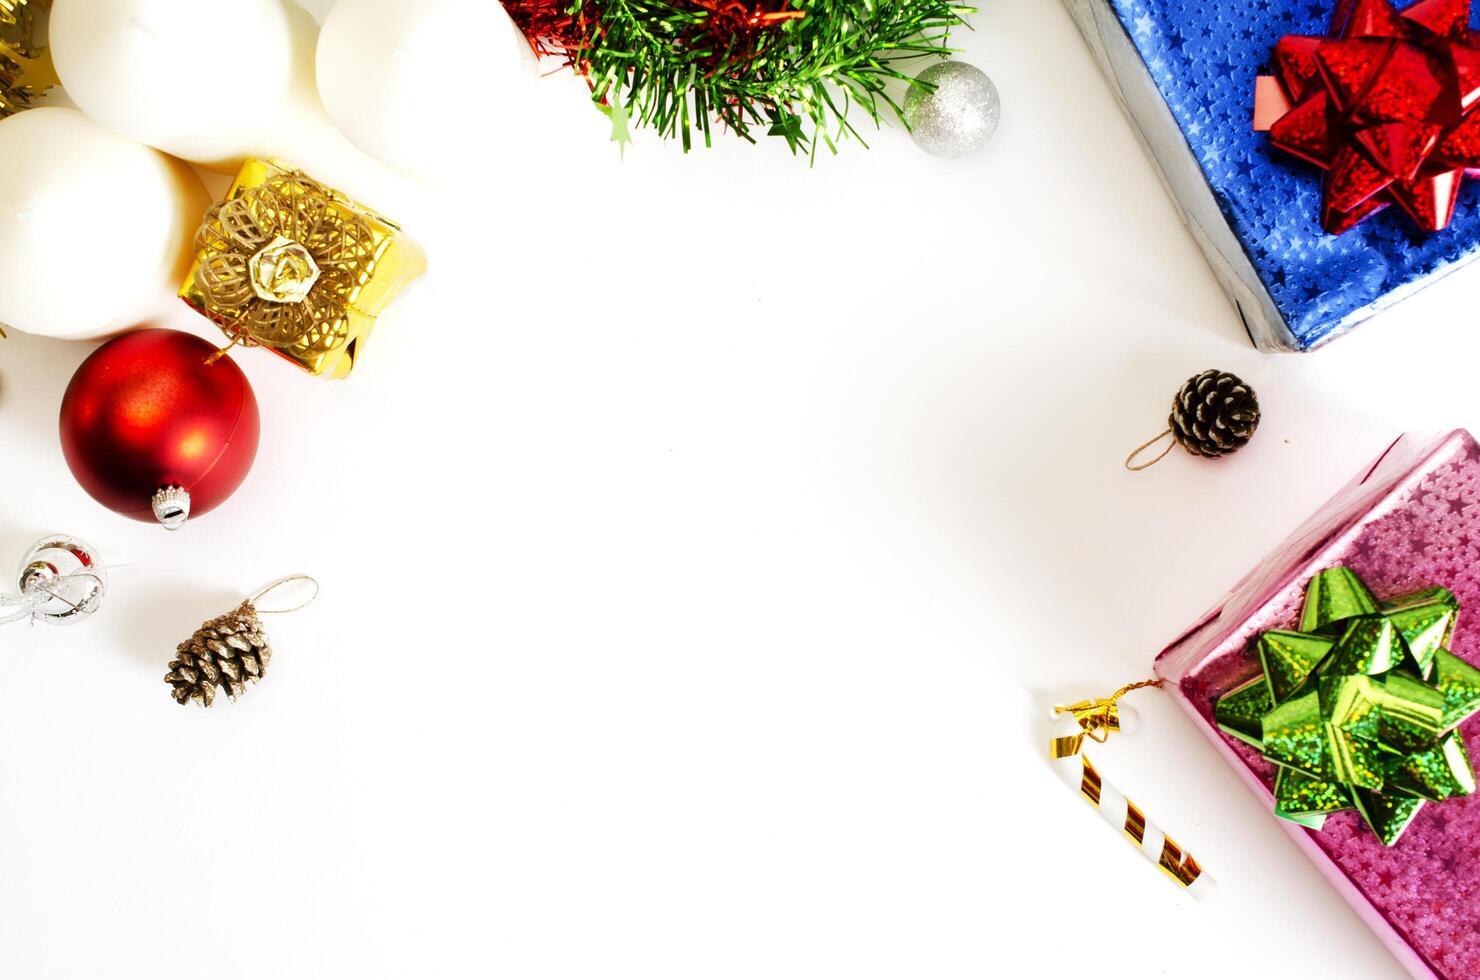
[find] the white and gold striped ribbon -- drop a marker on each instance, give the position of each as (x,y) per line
(1075,769)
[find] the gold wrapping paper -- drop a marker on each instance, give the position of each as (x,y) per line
(289,264)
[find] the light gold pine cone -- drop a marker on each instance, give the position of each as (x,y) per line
(226,652)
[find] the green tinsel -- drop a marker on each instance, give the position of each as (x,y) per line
(800,70)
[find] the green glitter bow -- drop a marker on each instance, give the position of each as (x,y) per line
(1358,708)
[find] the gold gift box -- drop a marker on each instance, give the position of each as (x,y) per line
(26,69)
(291,265)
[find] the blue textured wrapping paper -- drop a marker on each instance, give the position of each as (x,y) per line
(1203,55)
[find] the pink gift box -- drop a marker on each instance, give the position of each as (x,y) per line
(1410,520)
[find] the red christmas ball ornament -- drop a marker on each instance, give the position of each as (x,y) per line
(158,428)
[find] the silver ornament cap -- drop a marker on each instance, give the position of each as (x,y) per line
(171,507)
(958,116)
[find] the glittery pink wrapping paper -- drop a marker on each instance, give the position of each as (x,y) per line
(1412,519)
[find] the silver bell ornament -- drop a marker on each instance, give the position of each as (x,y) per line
(61,580)
(954,112)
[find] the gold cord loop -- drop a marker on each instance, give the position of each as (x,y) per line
(235,339)
(1097,719)
(285,580)
(1147,445)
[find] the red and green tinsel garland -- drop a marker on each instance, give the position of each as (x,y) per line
(797,69)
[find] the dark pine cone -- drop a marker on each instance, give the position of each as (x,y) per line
(226,652)
(1213,414)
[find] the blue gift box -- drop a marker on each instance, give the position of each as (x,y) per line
(1184,70)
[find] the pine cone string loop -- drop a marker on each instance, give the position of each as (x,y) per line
(1213,414)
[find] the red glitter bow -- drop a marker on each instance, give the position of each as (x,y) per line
(1383,105)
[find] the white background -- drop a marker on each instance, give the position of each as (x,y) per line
(702,542)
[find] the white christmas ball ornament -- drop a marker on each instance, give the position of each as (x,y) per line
(381,61)
(95,229)
(955,112)
(200,79)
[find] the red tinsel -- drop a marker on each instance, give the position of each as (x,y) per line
(548,25)
(731,17)
(553,30)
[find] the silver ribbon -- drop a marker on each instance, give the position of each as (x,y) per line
(49,594)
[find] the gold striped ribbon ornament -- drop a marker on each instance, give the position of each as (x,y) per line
(1095,721)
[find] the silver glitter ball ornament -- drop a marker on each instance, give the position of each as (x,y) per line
(959,116)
